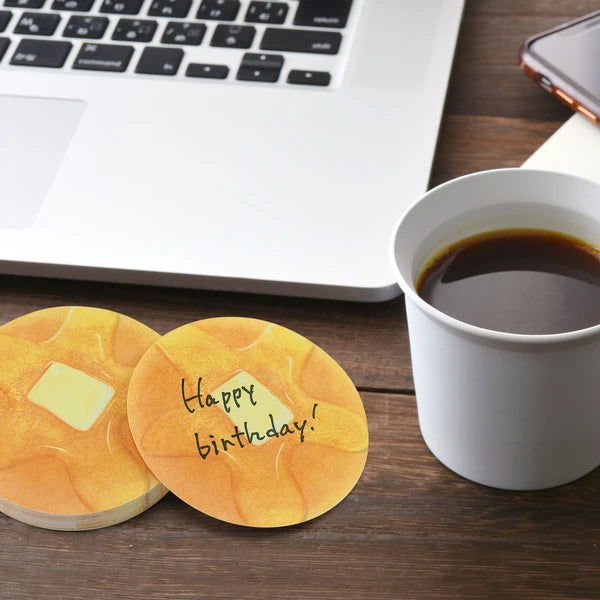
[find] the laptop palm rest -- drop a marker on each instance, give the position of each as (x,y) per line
(36,133)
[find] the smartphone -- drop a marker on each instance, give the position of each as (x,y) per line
(565,61)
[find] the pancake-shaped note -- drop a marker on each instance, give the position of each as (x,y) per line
(67,457)
(248,422)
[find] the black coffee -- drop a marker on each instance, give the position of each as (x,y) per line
(517,280)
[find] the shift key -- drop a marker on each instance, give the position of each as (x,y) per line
(301,40)
(41,53)
(103,57)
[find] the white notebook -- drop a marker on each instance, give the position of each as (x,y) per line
(574,148)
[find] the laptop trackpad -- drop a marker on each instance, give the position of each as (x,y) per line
(34,136)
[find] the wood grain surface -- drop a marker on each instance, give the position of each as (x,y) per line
(410,528)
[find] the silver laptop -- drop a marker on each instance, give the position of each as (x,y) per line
(225,144)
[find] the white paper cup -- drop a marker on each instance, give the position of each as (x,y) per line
(507,410)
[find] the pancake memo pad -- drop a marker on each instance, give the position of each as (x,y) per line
(67,457)
(248,422)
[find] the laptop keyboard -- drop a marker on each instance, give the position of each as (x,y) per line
(297,42)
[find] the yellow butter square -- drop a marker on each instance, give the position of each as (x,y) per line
(71,395)
(253,408)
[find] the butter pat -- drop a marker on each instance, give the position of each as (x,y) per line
(71,395)
(252,407)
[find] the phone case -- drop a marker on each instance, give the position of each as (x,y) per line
(553,81)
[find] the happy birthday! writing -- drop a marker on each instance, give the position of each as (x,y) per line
(237,398)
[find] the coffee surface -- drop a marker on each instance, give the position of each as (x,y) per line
(518,281)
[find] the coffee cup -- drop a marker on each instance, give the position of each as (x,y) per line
(508,410)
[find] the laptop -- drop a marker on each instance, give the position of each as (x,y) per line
(263,147)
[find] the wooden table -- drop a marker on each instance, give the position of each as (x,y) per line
(410,528)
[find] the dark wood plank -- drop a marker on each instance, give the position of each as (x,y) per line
(475,143)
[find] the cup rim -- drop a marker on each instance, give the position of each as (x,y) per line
(462,326)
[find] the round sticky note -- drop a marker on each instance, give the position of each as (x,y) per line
(248,421)
(67,457)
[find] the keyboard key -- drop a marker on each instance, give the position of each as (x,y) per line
(121,7)
(5,16)
(187,34)
(301,40)
(86,27)
(207,71)
(160,61)
(37,23)
(170,8)
(322,13)
(41,53)
(267,12)
(233,36)
(24,3)
(134,30)
(321,78)
(103,57)
(260,67)
(219,10)
(4,44)
(75,5)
